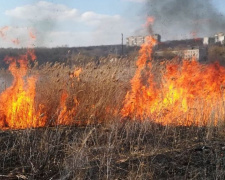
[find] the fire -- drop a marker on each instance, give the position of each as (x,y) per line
(77,73)
(17,104)
(18,108)
(189,93)
(66,113)
(135,101)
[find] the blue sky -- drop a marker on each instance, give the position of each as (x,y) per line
(73,22)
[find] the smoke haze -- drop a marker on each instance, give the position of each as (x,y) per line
(179,19)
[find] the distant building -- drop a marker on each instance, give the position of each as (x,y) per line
(139,40)
(187,53)
(208,40)
(219,38)
(135,40)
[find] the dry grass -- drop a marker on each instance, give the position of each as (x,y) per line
(99,90)
(111,148)
(128,150)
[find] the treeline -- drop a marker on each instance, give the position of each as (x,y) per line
(198,42)
(69,55)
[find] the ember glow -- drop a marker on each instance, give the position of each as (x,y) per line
(189,93)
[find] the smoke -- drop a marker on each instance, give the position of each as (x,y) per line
(179,19)
(42,29)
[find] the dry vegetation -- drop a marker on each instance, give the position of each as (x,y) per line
(100,90)
(112,148)
(128,150)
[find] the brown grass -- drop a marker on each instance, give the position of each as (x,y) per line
(106,147)
(128,150)
(100,90)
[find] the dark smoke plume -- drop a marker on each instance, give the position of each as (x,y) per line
(178,19)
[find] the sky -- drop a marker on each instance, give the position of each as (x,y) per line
(57,23)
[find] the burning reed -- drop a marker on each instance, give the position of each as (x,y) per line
(170,92)
(54,94)
(189,93)
(17,105)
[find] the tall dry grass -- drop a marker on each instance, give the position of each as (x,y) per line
(99,90)
(106,147)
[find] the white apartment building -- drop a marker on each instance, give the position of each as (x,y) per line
(139,40)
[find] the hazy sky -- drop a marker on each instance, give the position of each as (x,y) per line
(73,22)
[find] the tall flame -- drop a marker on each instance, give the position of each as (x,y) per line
(17,102)
(190,93)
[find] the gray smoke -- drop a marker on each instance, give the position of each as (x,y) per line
(176,19)
(42,29)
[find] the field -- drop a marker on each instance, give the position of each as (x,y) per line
(85,126)
(129,150)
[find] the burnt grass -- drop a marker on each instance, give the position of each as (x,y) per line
(116,150)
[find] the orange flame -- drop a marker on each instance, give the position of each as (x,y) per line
(77,72)
(66,114)
(189,94)
(17,105)
(134,100)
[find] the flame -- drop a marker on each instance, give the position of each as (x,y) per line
(77,73)
(66,114)
(17,104)
(134,100)
(18,109)
(189,93)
